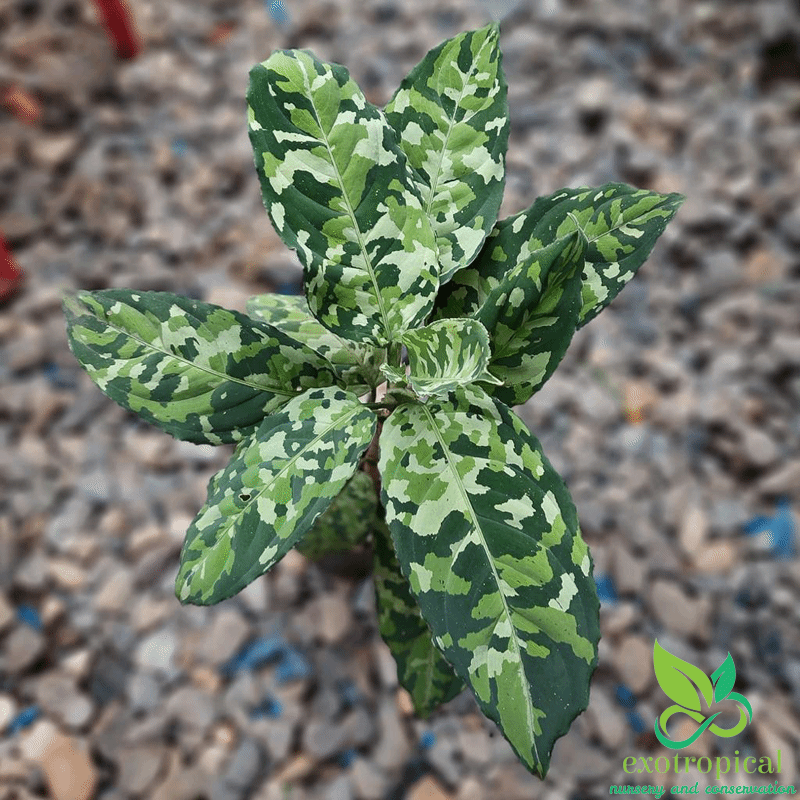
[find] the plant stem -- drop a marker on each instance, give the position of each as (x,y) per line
(370,461)
(395,350)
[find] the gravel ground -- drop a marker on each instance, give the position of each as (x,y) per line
(675,417)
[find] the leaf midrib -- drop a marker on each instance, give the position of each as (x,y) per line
(222,375)
(223,530)
(351,212)
(591,240)
(457,108)
(513,637)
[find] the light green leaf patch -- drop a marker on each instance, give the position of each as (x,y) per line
(200,372)
(486,533)
(421,669)
(339,190)
(444,355)
(357,365)
(451,117)
(273,490)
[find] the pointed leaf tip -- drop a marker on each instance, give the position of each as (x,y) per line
(451,118)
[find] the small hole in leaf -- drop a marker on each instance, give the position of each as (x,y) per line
(244,496)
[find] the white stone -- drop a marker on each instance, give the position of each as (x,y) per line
(228,632)
(678,612)
(369,781)
(116,593)
(634,662)
(157,651)
(693,529)
(334,618)
(7,615)
(21,648)
(8,710)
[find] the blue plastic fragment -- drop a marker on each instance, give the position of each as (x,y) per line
(29,616)
(255,654)
(778,530)
(269,708)
(346,758)
(625,697)
(350,694)
(179,147)
(278,12)
(59,378)
(427,740)
(635,721)
(293,666)
(606,591)
(25,718)
(290,287)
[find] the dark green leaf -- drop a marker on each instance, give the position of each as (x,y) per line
(198,371)
(486,533)
(421,669)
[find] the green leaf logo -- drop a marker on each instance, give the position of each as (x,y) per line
(681,681)
(686,685)
(724,676)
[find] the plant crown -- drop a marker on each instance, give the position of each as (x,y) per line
(481,573)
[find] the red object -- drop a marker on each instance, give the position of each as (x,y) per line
(119,24)
(22,104)
(10,274)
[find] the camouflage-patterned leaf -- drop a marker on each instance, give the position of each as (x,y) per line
(486,532)
(443,355)
(339,190)
(451,115)
(346,522)
(621,224)
(505,248)
(197,371)
(421,669)
(269,495)
(357,365)
(532,316)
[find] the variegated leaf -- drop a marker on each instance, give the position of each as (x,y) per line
(621,225)
(532,316)
(339,190)
(451,116)
(346,522)
(200,372)
(444,355)
(486,532)
(421,669)
(276,485)
(357,365)
(505,249)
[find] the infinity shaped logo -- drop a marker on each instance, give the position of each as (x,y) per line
(686,685)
